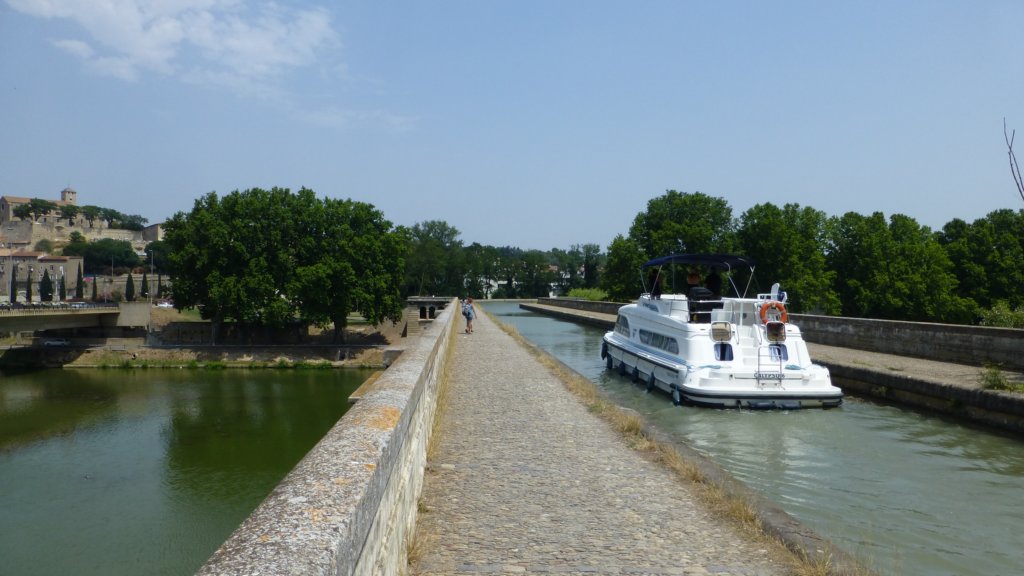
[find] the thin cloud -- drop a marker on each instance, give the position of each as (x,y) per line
(126,38)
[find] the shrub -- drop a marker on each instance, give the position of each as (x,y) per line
(1001,315)
(592,294)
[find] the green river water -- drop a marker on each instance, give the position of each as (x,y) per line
(111,472)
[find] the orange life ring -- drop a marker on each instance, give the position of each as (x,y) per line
(778,306)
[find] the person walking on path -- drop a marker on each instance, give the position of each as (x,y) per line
(523,478)
(469,311)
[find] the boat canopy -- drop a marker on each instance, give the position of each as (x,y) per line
(723,261)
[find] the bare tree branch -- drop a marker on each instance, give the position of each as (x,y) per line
(1014,168)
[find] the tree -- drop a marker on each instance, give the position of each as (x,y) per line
(69,212)
(129,288)
(788,244)
(537,275)
(46,287)
(62,289)
(28,287)
(269,258)
(895,271)
(678,223)
(94,295)
(91,213)
(14,285)
(356,263)
(144,292)
(434,263)
(592,258)
(156,253)
(988,257)
(79,285)
(621,278)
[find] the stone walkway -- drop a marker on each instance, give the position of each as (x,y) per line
(525,480)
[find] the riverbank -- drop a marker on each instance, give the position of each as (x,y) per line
(364,347)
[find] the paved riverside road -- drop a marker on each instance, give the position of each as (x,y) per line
(525,480)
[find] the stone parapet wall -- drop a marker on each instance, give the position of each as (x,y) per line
(976,345)
(585,305)
(349,507)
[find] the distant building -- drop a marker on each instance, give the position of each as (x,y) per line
(9,203)
(26,264)
(16,233)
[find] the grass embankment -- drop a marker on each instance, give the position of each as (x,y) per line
(733,503)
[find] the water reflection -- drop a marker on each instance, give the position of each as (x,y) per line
(908,492)
(112,472)
(33,408)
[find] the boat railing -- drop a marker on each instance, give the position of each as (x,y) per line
(674,305)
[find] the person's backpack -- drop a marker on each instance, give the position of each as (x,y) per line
(466,309)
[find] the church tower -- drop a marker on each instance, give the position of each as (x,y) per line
(69,196)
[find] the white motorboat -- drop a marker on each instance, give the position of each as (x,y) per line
(709,350)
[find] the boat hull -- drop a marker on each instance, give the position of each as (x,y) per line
(719,386)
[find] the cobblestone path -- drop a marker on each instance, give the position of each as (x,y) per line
(524,480)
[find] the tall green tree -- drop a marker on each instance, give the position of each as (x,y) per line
(434,263)
(895,270)
(592,260)
(79,285)
(103,255)
(622,274)
(788,244)
(144,290)
(129,288)
(353,261)
(271,257)
(684,222)
(988,257)
(46,287)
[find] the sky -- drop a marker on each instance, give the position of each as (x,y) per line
(537,124)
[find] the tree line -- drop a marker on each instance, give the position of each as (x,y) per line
(36,208)
(854,265)
(274,257)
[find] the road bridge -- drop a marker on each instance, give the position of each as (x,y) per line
(67,316)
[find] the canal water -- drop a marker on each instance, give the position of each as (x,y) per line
(906,492)
(111,472)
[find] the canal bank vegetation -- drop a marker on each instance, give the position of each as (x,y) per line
(852,265)
(806,552)
(994,378)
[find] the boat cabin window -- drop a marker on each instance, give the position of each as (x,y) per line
(723,351)
(661,341)
(778,352)
(622,325)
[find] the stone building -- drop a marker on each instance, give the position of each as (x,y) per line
(16,233)
(27,264)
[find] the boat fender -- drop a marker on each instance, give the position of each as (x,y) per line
(650,381)
(604,350)
(609,362)
(622,368)
(636,372)
(677,399)
(773,305)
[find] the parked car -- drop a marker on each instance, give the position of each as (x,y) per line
(56,342)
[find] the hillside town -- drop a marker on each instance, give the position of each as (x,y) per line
(32,233)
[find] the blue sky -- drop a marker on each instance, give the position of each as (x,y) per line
(530,123)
